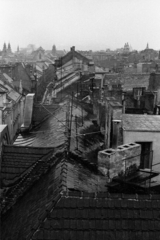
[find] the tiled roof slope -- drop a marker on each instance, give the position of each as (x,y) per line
(17,160)
(28,213)
(26,173)
(72,202)
(93,217)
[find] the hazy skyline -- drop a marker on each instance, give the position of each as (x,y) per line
(85,24)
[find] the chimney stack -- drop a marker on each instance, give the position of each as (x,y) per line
(73,49)
(122,161)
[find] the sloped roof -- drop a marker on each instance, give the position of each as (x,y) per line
(140,122)
(3,89)
(17,160)
(67,203)
(21,171)
(9,79)
(51,133)
(13,95)
(70,55)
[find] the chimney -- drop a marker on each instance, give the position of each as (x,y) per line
(115,132)
(73,49)
(119,162)
(113,116)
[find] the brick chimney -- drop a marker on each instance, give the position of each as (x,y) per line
(122,161)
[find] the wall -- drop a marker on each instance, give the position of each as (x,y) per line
(134,80)
(132,136)
(154,84)
(113,116)
(116,93)
(146,102)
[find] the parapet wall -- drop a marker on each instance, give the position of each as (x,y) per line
(122,161)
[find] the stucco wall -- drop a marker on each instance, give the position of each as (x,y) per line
(154,137)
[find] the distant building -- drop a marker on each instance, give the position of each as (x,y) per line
(148,54)
(11,108)
(126,48)
(39,54)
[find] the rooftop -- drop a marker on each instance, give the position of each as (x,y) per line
(137,122)
(70,201)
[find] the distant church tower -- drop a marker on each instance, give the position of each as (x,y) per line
(4,51)
(9,48)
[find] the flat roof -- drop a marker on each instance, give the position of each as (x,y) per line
(141,123)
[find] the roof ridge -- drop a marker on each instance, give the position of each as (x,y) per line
(56,199)
(31,147)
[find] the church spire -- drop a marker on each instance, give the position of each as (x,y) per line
(9,48)
(4,47)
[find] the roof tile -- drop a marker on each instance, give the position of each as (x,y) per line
(73,224)
(79,235)
(118,224)
(92,224)
(124,213)
(85,224)
(85,213)
(111,224)
(131,224)
(86,235)
(92,235)
(146,235)
(157,224)
(150,224)
(66,224)
(92,203)
(72,213)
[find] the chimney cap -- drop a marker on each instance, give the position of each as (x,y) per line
(116,121)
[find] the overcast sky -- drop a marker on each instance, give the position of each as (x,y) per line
(85,24)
